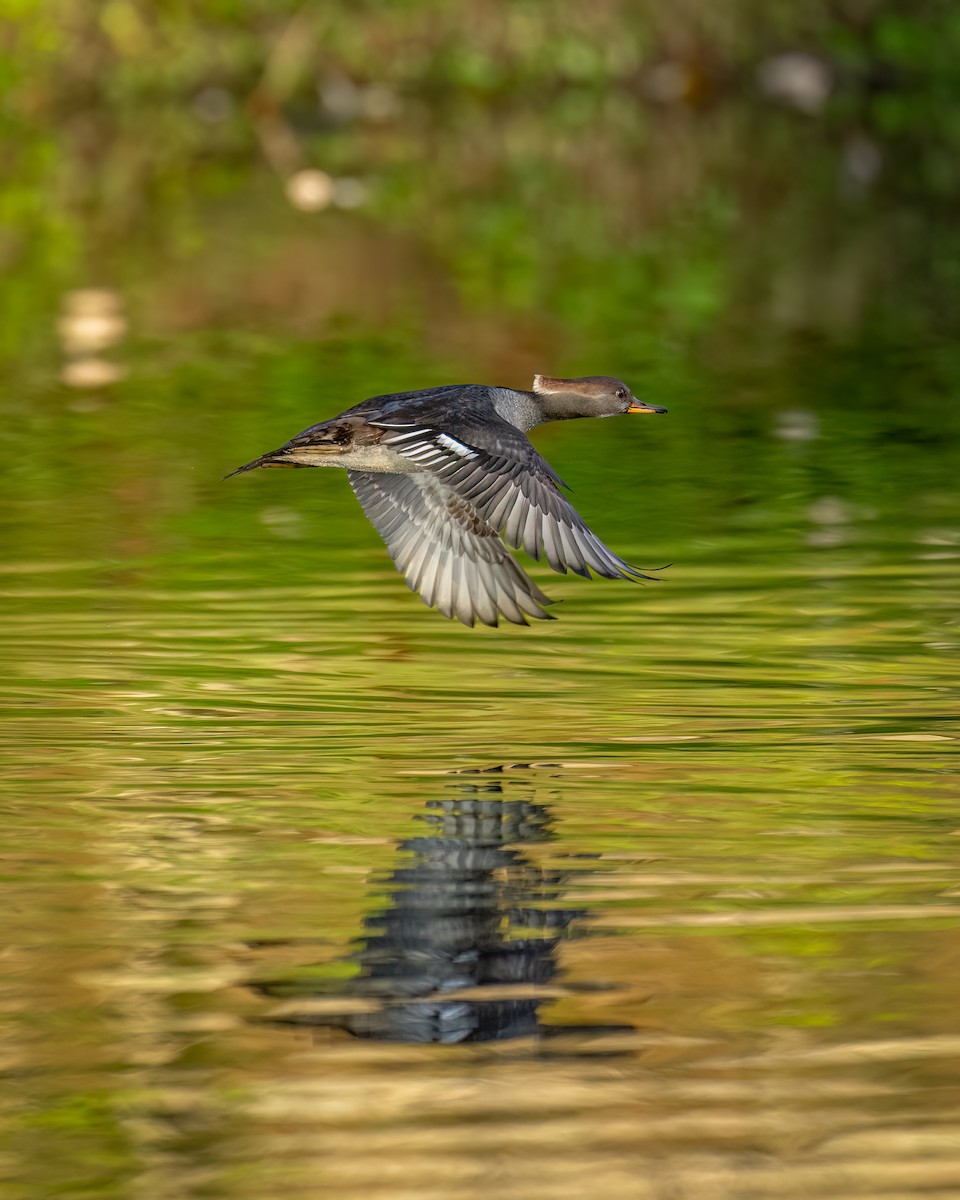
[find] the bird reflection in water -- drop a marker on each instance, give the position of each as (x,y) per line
(466,948)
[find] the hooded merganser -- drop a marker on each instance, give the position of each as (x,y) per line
(445,473)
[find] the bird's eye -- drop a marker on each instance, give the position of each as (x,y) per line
(621,393)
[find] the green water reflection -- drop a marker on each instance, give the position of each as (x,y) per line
(223,708)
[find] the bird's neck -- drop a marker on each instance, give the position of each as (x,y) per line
(525,410)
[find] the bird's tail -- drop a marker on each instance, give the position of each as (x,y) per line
(276,458)
(257,462)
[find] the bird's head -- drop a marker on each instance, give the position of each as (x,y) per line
(591,396)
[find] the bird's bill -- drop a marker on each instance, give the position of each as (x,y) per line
(640,406)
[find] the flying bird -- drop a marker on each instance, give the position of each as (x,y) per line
(447,475)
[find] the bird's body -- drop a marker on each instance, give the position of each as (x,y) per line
(443,474)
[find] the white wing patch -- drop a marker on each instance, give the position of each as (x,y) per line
(424,452)
(457,447)
(428,448)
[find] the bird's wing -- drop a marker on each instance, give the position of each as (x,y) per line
(446,392)
(446,551)
(492,464)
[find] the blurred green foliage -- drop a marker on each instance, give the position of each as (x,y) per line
(506,140)
(122,49)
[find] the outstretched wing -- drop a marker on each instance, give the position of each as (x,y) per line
(513,488)
(446,551)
